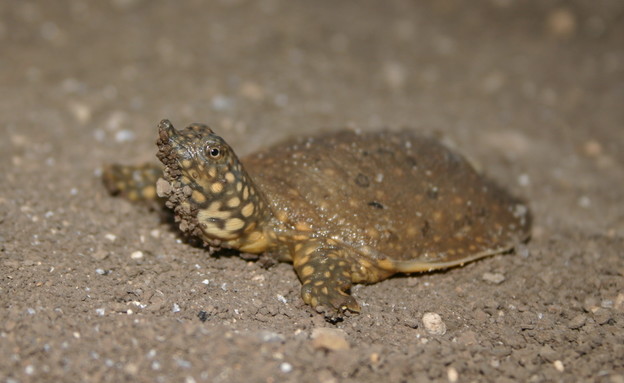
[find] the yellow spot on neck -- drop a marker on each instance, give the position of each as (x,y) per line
(248,210)
(198,196)
(233,202)
(216,187)
(234,224)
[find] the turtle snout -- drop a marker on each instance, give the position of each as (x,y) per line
(166,130)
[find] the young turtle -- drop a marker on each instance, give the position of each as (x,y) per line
(344,208)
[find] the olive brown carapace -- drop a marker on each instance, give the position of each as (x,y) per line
(346,207)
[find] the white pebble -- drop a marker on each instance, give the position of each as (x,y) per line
(221,103)
(558,365)
(124,136)
(495,278)
(111,237)
(452,374)
(286,367)
(175,308)
(433,324)
(332,339)
(137,255)
(100,311)
(584,202)
(80,111)
(282,299)
(205,282)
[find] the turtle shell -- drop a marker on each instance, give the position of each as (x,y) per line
(389,195)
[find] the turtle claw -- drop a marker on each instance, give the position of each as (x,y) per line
(332,302)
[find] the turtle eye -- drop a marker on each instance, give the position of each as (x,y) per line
(213,152)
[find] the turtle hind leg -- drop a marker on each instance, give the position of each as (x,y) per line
(135,183)
(326,276)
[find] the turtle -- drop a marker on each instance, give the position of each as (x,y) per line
(344,207)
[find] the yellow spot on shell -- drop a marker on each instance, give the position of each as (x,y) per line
(282,215)
(301,260)
(302,226)
(307,271)
(229,177)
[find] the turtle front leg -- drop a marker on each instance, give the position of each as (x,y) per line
(326,274)
(136,183)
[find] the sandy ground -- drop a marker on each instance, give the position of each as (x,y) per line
(93,288)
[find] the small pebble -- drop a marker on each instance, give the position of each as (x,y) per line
(548,354)
(433,324)
(602,316)
(577,322)
(495,278)
(137,255)
(524,179)
(163,188)
(558,365)
(286,367)
(561,23)
(619,302)
(175,308)
(592,148)
(124,136)
(584,201)
(468,338)
(452,374)
(81,112)
(252,91)
(270,337)
(111,237)
(329,339)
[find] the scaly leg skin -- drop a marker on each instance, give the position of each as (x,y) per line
(325,273)
(135,183)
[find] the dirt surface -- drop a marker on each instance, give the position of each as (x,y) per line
(93,288)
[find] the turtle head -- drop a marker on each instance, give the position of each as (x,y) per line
(210,192)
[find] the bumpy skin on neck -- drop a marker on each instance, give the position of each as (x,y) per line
(210,192)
